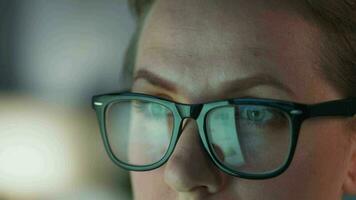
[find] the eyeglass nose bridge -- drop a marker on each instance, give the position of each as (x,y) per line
(189,110)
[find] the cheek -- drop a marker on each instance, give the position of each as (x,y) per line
(324,144)
(318,166)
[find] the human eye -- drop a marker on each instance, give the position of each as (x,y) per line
(260,116)
(150,109)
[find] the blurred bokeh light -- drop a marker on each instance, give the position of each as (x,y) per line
(54,55)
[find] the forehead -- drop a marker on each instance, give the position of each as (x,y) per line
(200,44)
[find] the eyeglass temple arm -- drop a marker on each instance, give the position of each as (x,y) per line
(344,107)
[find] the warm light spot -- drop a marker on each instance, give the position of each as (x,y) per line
(37,155)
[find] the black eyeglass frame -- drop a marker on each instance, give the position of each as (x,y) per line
(297,113)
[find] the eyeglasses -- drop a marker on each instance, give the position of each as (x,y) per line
(248,138)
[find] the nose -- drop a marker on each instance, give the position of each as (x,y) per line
(189,169)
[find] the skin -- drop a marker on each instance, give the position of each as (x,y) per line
(205,50)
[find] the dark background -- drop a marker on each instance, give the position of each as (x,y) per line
(54,55)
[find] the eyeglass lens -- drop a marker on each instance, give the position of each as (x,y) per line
(249,138)
(139,132)
(244,138)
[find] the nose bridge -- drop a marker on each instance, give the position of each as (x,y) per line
(189,111)
(181,173)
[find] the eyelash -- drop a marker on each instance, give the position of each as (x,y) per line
(276,118)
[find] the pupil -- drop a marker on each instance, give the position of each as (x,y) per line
(255,115)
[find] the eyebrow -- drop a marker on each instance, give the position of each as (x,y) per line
(253,81)
(155,80)
(229,86)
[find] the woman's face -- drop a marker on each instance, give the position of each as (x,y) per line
(194,51)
